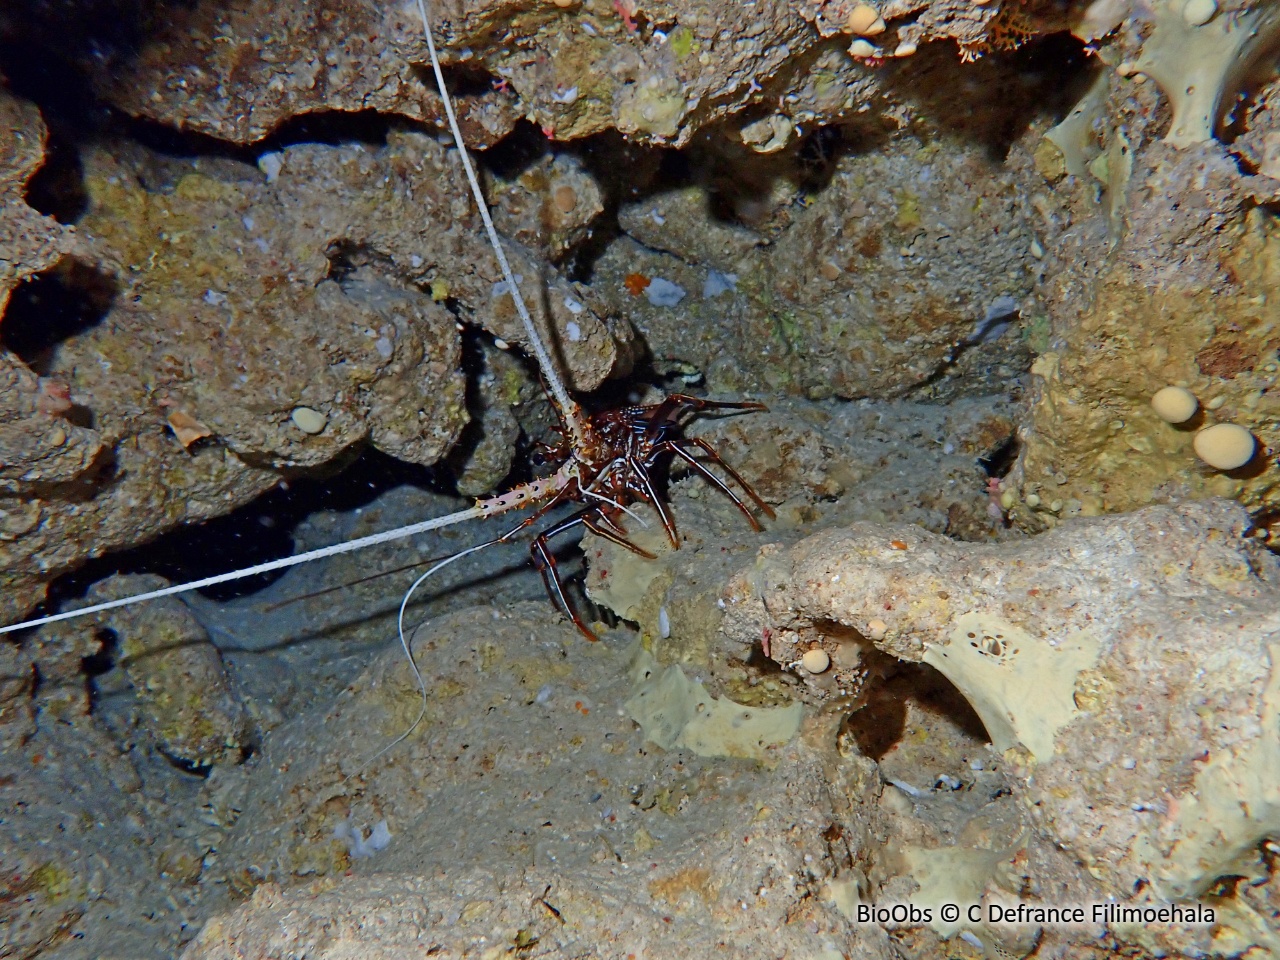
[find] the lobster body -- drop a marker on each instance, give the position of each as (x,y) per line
(614,465)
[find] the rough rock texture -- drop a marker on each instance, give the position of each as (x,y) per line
(657,71)
(1259,145)
(818,465)
(36,445)
(85,836)
(1176,252)
(487,449)
(39,448)
(638,847)
(903,260)
(884,210)
(241,304)
(1125,669)
(239,72)
(31,242)
(181,696)
(1159,266)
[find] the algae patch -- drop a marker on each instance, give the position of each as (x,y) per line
(676,712)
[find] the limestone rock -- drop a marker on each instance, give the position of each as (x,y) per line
(1125,669)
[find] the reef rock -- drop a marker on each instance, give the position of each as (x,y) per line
(657,71)
(1125,670)
(31,242)
(878,284)
(178,694)
(1160,260)
(256,319)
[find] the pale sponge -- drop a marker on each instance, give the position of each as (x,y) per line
(1175,404)
(1225,446)
(1202,63)
(1126,668)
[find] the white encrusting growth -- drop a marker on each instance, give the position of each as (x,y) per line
(374,538)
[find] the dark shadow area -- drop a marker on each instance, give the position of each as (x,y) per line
(326,127)
(463,79)
(258,532)
(998,461)
(515,153)
(48,48)
(1258,464)
(53,307)
(332,128)
(1242,96)
(57,189)
(894,689)
(995,98)
(605,156)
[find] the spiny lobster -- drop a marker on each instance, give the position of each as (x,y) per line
(605,461)
(613,469)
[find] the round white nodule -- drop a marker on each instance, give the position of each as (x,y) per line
(816,660)
(308,420)
(1225,446)
(1175,404)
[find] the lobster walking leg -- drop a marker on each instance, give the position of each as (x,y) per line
(643,484)
(545,561)
(605,528)
(679,448)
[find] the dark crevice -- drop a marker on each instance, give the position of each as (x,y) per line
(464,79)
(102,472)
(57,189)
(993,100)
(201,770)
(620,169)
(331,128)
(255,533)
(894,688)
(515,153)
(104,660)
(1000,460)
(52,308)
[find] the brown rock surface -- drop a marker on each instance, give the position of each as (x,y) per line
(657,71)
(278,312)
(31,242)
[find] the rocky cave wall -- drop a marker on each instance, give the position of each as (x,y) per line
(258,256)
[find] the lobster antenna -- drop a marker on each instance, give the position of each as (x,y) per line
(374,538)
(558,391)
(408,652)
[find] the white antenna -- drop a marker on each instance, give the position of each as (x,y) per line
(374,538)
(567,407)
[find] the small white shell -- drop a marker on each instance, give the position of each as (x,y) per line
(862,49)
(308,420)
